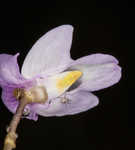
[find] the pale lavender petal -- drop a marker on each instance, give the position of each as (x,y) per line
(50,54)
(97,58)
(8,99)
(9,72)
(10,78)
(78,102)
(99,71)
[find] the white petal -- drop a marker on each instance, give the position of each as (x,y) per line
(98,76)
(58,84)
(78,102)
(50,54)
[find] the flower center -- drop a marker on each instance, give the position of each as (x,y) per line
(69,79)
(36,94)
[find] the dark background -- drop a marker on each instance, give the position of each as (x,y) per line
(99,28)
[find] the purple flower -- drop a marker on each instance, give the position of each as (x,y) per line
(68,82)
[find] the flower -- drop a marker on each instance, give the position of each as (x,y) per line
(68,82)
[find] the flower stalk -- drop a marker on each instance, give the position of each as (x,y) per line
(10,140)
(33,95)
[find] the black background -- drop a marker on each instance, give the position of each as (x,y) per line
(98,28)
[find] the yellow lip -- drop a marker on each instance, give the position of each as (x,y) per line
(70,78)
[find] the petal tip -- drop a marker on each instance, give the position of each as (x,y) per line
(110,57)
(96,101)
(119,72)
(67,27)
(16,55)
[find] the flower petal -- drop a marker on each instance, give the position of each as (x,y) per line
(78,102)
(9,71)
(8,99)
(50,54)
(10,78)
(99,71)
(97,58)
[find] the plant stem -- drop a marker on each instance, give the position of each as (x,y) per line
(10,139)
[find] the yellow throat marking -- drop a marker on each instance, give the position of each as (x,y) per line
(68,80)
